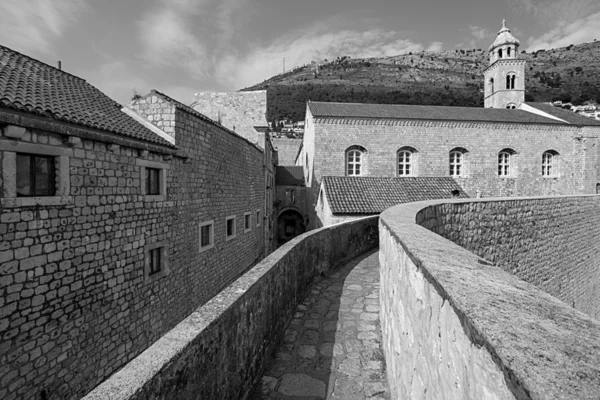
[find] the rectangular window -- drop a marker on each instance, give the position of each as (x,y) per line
(207,235)
(154,261)
(257,217)
(230,227)
(247,225)
(152,181)
(36,175)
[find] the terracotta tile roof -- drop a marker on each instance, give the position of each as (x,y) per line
(287,150)
(567,115)
(290,175)
(441,113)
(372,195)
(31,86)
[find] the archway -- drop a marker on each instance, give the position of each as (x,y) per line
(290,224)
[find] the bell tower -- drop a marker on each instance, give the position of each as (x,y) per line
(504,85)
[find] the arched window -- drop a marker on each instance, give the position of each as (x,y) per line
(355,161)
(457,162)
(492,84)
(500,53)
(508,52)
(550,164)
(511,106)
(510,80)
(407,157)
(506,163)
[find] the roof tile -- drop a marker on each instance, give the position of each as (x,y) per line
(34,87)
(373,195)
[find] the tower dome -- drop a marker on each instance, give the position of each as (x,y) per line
(504,37)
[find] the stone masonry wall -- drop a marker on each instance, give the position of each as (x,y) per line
(552,243)
(220,351)
(238,111)
(326,141)
(75,301)
(456,327)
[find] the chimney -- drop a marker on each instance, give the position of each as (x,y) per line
(59,65)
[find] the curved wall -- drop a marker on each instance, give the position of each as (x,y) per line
(457,327)
(220,350)
(552,242)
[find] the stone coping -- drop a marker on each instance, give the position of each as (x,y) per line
(546,349)
(156,366)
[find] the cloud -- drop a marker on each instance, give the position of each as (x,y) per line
(32,26)
(435,47)
(478,32)
(579,31)
(259,63)
(557,12)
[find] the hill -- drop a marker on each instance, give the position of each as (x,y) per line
(447,78)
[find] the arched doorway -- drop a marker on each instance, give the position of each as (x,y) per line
(290,224)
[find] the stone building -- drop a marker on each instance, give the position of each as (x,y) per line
(291,208)
(535,149)
(115,224)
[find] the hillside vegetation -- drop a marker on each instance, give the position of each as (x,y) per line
(447,78)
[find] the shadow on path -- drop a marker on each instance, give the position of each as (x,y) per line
(332,347)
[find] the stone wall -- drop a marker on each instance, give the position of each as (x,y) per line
(549,242)
(238,111)
(456,327)
(327,139)
(76,302)
(220,351)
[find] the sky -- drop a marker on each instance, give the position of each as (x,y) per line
(181,47)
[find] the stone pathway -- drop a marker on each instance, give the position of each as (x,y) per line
(332,347)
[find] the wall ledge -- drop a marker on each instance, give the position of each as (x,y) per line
(546,349)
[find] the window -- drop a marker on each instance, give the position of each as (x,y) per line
(550,164)
(257,217)
(511,106)
(508,52)
(247,225)
(457,162)
(35,175)
(153,179)
(492,84)
(510,80)
(505,169)
(500,53)
(207,235)
(230,226)
(406,158)
(154,263)
(157,260)
(353,163)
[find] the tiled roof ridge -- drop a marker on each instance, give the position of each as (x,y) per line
(195,113)
(391,104)
(46,65)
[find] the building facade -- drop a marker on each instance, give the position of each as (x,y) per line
(115,224)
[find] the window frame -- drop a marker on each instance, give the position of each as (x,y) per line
(508,162)
(462,163)
(360,163)
(152,174)
(163,248)
(248,219)
(554,171)
(33,177)
(162,183)
(211,243)
(412,162)
(234,234)
(62,178)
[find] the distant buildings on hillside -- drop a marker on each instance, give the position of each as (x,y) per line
(586,110)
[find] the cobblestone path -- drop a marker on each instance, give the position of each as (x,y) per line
(332,347)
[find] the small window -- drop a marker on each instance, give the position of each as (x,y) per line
(505,167)
(207,235)
(354,159)
(230,227)
(36,175)
(508,52)
(154,261)
(510,81)
(492,84)
(152,181)
(406,158)
(500,53)
(511,106)
(457,162)
(550,164)
(247,225)
(257,217)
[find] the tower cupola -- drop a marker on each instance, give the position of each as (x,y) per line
(505,76)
